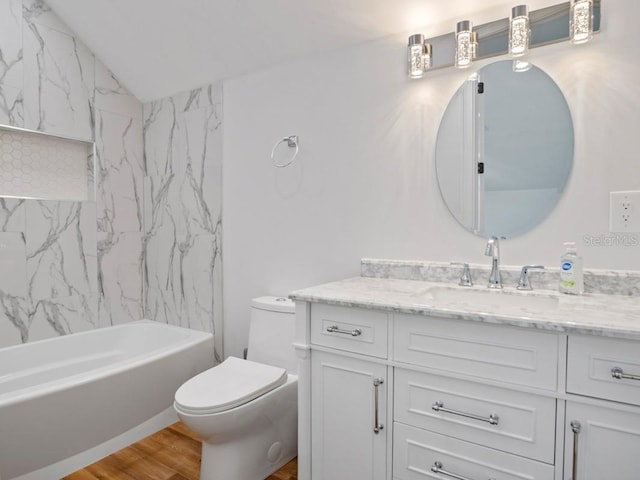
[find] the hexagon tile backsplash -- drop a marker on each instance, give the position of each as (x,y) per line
(40,166)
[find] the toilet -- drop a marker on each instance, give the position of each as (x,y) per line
(246,411)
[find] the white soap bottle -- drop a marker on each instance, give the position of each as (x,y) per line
(571,275)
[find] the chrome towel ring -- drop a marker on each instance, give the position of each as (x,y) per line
(292,142)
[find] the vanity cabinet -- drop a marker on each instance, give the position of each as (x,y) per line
(602,438)
(398,396)
(349,427)
(349,394)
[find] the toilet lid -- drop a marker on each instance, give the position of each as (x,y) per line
(232,383)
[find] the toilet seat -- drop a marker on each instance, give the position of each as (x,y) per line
(232,383)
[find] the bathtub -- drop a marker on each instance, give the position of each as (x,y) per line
(68,401)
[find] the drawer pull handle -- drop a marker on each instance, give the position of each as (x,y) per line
(575,428)
(377,426)
(617,372)
(335,329)
(492,418)
(437,468)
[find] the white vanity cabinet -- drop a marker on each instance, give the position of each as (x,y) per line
(399,396)
(349,430)
(349,394)
(602,438)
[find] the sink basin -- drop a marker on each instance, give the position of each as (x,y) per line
(487,299)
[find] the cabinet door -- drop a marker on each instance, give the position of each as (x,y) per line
(344,444)
(607,440)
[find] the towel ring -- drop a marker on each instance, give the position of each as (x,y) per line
(292,142)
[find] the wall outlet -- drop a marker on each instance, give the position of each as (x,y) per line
(624,211)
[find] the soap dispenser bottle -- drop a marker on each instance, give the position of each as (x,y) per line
(571,276)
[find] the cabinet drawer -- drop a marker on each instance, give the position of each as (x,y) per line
(511,421)
(509,355)
(351,329)
(416,452)
(591,364)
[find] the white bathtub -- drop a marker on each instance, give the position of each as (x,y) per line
(68,401)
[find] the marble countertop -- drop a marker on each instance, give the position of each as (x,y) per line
(595,314)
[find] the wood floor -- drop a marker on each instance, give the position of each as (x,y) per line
(170,454)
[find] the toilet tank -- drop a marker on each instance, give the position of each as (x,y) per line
(271,333)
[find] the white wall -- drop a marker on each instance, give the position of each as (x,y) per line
(364,185)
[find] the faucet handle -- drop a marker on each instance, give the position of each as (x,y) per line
(524,283)
(465,278)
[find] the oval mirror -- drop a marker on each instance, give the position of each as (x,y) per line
(504,150)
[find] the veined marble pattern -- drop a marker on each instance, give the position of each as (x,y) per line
(608,282)
(11,43)
(111,96)
(120,265)
(58,82)
(595,314)
(119,162)
(61,249)
(37,11)
(50,250)
(12,214)
(182,202)
(11,106)
(64,315)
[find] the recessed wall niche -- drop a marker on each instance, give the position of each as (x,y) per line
(42,166)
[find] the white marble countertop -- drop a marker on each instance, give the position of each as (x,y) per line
(595,314)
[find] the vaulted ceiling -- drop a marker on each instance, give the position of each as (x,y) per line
(160,47)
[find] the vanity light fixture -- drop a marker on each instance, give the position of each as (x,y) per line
(466,44)
(515,35)
(519,31)
(581,21)
(418,56)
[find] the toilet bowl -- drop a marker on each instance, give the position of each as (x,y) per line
(246,411)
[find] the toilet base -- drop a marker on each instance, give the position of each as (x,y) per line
(253,440)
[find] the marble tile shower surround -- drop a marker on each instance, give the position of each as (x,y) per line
(182,210)
(609,282)
(68,266)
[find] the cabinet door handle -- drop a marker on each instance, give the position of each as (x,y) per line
(492,418)
(335,329)
(617,372)
(437,468)
(377,426)
(575,427)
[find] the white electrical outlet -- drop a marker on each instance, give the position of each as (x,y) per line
(624,212)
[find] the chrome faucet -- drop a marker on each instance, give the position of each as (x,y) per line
(493,251)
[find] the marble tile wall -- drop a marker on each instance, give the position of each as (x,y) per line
(182,218)
(68,266)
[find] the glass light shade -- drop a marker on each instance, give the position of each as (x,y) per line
(519,31)
(581,21)
(521,66)
(465,45)
(416,56)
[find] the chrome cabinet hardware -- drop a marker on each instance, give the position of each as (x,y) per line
(492,418)
(524,283)
(377,426)
(465,277)
(437,468)
(335,329)
(617,372)
(575,427)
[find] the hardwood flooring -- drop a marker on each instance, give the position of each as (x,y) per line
(170,454)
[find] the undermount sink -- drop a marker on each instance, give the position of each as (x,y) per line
(486,298)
